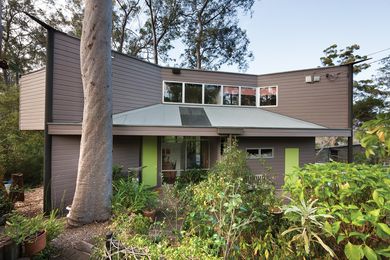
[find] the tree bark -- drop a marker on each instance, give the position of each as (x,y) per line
(92,198)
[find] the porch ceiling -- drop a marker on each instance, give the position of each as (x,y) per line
(168,115)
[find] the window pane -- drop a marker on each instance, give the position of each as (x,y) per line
(268,96)
(173,92)
(248,96)
(252,153)
(212,94)
(197,153)
(193,93)
(230,95)
(266,153)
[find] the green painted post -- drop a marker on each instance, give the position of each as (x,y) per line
(291,160)
(149,160)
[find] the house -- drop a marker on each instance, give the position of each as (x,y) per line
(171,119)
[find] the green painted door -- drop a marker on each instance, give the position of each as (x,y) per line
(149,160)
(291,160)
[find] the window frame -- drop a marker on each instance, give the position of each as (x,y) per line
(248,157)
(277,95)
(222,86)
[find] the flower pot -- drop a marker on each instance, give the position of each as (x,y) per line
(34,245)
(149,213)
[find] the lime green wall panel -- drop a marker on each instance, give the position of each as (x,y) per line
(149,160)
(291,160)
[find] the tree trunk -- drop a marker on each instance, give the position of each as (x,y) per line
(92,198)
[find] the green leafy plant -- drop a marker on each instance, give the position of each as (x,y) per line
(190,177)
(6,205)
(21,228)
(132,197)
(307,226)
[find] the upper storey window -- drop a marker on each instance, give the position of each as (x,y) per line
(231,95)
(173,92)
(268,96)
(193,93)
(212,94)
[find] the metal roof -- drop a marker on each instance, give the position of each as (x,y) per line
(218,116)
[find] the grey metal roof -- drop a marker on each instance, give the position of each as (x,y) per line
(218,116)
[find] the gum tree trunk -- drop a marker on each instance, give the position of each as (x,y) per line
(92,198)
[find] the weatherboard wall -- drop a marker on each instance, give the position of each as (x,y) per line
(135,83)
(65,156)
(324,102)
(276,164)
(32,101)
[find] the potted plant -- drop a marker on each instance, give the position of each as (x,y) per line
(32,233)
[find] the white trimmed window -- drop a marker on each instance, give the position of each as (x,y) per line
(257,153)
(268,96)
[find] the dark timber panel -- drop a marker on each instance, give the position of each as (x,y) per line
(306,147)
(324,103)
(135,83)
(65,156)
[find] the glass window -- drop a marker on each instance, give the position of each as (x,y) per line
(268,96)
(267,153)
(173,92)
(248,96)
(193,93)
(212,94)
(230,95)
(252,153)
(182,153)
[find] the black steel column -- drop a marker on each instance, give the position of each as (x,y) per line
(350,112)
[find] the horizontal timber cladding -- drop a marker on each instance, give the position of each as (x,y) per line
(32,101)
(135,83)
(306,147)
(65,156)
(324,102)
(212,77)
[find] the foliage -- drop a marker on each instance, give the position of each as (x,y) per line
(226,207)
(192,247)
(213,36)
(131,224)
(20,228)
(132,197)
(190,177)
(374,136)
(308,225)
(6,205)
(358,197)
(20,151)
(370,95)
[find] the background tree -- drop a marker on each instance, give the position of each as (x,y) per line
(163,25)
(212,35)
(370,97)
(92,198)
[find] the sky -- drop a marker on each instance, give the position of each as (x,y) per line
(292,34)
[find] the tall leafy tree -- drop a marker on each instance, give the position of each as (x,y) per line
(369,96)
(92,198)
(212,34)
(163,25)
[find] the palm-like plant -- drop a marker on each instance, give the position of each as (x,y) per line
(307,224)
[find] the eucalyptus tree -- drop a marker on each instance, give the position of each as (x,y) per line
(213,36)
(370,96)
(92,198)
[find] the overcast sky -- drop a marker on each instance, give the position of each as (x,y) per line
(291,34)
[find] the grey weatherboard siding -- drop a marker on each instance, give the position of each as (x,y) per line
(65,157)
(32,101)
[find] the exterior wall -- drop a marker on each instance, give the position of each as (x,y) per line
(32,101)
(135,83)
(65,156)
(306,147)
(200,76)
(324,103)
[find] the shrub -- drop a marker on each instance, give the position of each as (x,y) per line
(358,197)
(129,196)
(190,177)
(6,205)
